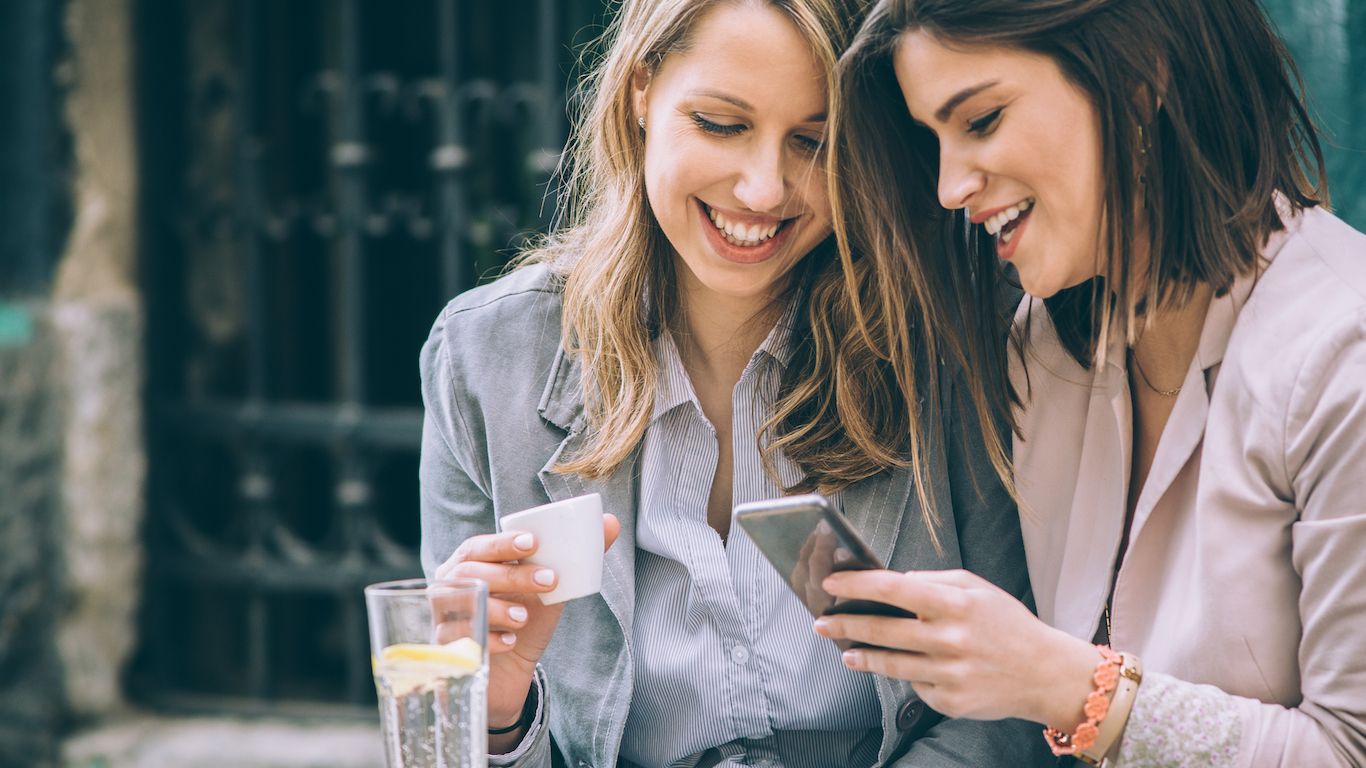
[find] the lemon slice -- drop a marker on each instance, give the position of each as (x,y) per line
(465,653)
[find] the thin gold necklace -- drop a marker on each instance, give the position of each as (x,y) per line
(1139,367)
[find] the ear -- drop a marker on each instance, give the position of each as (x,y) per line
(640,87)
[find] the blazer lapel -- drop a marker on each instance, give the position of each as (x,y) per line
(562,405)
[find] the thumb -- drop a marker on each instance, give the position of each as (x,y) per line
(611,528)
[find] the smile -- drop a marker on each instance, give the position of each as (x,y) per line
(1004,223)
(740,234)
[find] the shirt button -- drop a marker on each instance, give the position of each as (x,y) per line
(739,654)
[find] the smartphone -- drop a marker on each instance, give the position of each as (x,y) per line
(807,539)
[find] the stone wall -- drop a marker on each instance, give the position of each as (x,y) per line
(31,701)
(97,323)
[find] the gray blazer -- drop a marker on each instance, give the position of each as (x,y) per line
(503,403)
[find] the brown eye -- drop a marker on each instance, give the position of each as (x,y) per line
(983,124)
(716,129)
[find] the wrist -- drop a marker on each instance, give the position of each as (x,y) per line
(501,719)
(1061,699)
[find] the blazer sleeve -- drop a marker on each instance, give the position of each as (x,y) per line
(455,503)
(1325,458)
(454,491)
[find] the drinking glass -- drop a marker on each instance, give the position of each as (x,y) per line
(431,671)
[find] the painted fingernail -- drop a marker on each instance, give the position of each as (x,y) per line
(545,577)
(517,613)
(820,625)
(852,659)
(508,638)
(524,542)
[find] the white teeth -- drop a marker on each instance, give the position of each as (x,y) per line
(741,234)
(997,222)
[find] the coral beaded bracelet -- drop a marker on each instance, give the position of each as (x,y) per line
(1097,706)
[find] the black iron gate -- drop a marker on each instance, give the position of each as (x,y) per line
(320,176)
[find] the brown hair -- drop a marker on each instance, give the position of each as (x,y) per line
(848,406)
(1196,97)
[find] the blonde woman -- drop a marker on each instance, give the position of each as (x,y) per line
(690,341)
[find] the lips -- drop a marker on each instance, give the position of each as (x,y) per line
(744,243)
(1005,224)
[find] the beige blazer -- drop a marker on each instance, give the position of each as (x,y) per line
(1246,566)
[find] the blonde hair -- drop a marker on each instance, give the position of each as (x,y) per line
(848,405)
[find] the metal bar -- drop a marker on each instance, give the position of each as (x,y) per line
(349,155)
(551,79)
(451,156)
(398,429)
(258,648)
(546,158)
(182,703)
(255,488)
(358,679)
(249,149)
(281,576)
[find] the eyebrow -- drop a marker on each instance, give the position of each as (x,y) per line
(819,117)
(942,114)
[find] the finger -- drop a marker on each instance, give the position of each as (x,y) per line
(956,577)
(886,631)
(898,664)
(501,641)
(523,578)
(507,614)
(611,528)
(925,598)
(490,548)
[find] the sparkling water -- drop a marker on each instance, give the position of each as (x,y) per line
(433,719)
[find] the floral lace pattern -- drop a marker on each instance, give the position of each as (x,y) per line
(1176,724)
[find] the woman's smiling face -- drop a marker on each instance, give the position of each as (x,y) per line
(733,162)
(1019,148)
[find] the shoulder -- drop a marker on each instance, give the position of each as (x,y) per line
(496,345)
(531,293)
(1308,305)
(514,317)
(1294,372)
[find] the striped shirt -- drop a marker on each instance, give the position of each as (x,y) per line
(727,668)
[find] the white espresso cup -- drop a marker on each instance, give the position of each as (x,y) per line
(569,541)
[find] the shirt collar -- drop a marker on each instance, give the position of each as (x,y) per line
(675,388)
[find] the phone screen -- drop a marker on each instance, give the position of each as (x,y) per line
(807,540)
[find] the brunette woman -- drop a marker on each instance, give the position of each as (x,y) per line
(689,341)
(1190,368)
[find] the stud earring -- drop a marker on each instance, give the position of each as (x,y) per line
(641,121)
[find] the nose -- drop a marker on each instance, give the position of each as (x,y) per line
(762,185)
(959,179)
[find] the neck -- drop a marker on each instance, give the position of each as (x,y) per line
(1169,338)
(717,334)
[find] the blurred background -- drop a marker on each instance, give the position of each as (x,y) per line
(225,229)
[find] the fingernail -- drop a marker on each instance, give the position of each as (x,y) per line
(517,613)
(508,638)
(524,542)
(821,625)
(852,659)
(545,577)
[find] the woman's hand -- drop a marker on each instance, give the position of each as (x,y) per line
(520,627)
(974,651)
